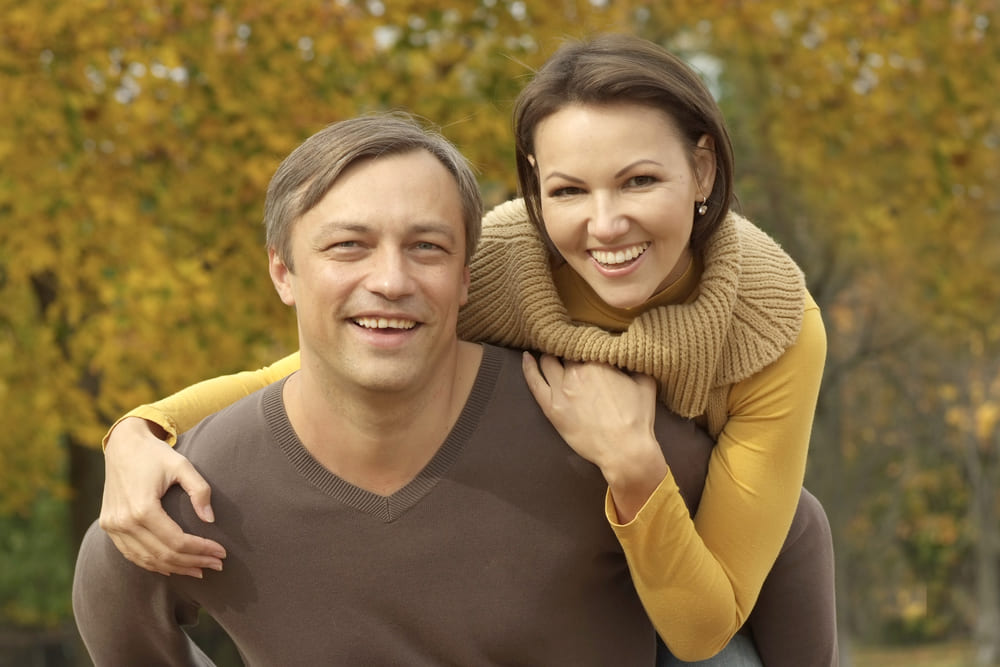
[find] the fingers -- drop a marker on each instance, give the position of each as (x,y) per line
(137,474)
(197,489)
(153,541)
(533,377)
(541,376)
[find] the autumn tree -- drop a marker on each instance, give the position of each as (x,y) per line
(138,136)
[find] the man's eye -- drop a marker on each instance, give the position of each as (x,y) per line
(427,245)
(341,247)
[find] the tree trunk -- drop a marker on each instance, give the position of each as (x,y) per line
(86,476)
(985,520)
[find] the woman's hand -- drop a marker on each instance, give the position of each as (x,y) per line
(607,417)
(139,468)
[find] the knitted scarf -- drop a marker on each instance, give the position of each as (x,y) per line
(747,313)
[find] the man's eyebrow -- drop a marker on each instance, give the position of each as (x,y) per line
(342,226)
(333,226)
(434,228)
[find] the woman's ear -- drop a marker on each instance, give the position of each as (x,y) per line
(704,164)
(531,161)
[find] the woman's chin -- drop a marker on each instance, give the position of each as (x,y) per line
(623,299)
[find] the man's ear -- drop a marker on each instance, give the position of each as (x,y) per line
(704,164)
(281,276)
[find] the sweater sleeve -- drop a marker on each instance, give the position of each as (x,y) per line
(126,615)
(180,411)
(700,579)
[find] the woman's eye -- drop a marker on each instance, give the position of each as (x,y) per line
(640,181)
(567,191)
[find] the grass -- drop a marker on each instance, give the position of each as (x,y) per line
(952,654)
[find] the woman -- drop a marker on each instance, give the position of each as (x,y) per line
(624,253)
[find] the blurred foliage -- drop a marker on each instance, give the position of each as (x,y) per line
(35,564)
(137,138)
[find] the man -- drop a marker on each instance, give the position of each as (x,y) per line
(401,499)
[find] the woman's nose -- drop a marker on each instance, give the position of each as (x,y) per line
(607,221)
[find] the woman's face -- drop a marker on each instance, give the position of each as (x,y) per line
(619,188)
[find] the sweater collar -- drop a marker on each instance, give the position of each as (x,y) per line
(747,311)
(584,305)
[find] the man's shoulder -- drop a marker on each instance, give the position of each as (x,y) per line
(231,449)
(500,369)
(501,355)
(233,425)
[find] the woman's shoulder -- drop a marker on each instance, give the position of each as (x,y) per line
(768,296)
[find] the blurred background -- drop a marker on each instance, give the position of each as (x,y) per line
(137,138)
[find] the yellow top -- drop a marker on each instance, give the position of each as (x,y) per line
(698,579)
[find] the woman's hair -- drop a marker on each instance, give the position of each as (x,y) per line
(623,69)
(308,173)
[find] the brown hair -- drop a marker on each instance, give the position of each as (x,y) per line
(616,69)
(308,173)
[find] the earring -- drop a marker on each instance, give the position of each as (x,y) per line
(703,209)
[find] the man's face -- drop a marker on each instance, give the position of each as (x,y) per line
(379,276)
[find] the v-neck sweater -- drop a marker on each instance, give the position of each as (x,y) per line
(495,553)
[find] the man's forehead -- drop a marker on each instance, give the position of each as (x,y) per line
(412,191)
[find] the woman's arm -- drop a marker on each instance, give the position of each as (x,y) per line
(698,579)
(140,467)
(180,411)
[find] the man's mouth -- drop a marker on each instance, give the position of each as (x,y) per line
(612,258)
(384,323)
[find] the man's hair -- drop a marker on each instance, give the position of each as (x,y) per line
(308,173)
(623,69)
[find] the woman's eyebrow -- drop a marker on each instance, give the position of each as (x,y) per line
(636,164)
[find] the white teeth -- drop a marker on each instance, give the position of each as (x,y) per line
(384,323)
(619,256)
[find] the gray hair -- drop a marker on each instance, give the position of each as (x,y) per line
(308,173)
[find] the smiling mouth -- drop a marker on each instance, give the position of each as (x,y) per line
(617,258)
(384,323)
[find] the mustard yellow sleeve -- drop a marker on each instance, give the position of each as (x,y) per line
(180,411)
(699,580)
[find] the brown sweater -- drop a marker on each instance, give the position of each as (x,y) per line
(496,553)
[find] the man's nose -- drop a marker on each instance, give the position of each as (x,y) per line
(390,274)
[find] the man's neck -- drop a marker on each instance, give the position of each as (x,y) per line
(374,440)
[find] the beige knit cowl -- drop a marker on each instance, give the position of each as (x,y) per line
(747,313)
